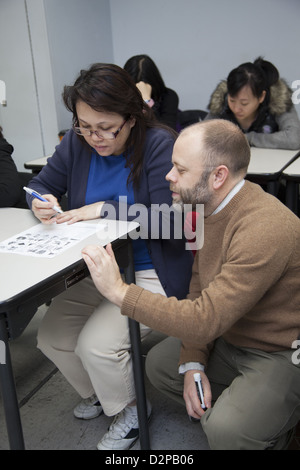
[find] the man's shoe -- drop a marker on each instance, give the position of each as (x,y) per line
(88,408)
(124,430)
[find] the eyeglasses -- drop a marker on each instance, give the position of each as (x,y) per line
(104,135)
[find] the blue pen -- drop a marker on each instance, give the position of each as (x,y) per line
(41,198)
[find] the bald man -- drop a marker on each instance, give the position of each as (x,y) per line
(240,325)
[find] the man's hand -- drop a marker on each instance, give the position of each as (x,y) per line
(105,272)
(192,402)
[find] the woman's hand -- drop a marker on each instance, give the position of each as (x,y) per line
(89,212)
(44,210)
(192,402)
(145,90)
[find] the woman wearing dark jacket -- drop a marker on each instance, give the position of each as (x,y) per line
(112,163)
(149,81)
(260,103)
(10,184)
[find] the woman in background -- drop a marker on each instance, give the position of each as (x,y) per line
(148,80)
(260,103)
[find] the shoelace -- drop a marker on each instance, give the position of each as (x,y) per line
(118,426)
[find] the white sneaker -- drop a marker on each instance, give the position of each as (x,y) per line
(88,408)
(124,430)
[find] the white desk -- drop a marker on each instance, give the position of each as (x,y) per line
(263,162)
(268,161)
(27,282)
(266,166)
(293,170)
(22,272)
(37,164)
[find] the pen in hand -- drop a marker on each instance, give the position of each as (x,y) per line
(41,198)
(198,383)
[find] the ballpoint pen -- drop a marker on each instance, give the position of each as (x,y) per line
(41,198)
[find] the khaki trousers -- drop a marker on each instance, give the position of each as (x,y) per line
(256,395)
(87,338)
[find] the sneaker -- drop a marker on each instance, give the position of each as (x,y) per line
(124,430)
(88,408)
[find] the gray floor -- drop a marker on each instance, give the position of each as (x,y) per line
(47,402)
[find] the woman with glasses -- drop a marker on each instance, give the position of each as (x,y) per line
(115,155)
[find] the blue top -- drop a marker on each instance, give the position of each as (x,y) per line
(67,171)
(107,180)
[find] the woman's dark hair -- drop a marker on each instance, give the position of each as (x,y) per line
(141,68)
(109,88)
(1,135)
(259,75)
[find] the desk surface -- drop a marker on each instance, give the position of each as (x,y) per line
(293,169)
(263,161)
(268,161)
(21,272)
(38,163)
(22,277)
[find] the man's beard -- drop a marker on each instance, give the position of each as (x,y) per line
(199,194)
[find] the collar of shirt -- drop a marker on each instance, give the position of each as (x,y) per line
(229,196)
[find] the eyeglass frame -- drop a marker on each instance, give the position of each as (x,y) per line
(91,132)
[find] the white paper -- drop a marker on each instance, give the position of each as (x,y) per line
(47,241)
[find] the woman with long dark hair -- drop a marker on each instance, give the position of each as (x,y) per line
(116,155)
(147,77)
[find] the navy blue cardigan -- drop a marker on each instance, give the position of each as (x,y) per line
(67,172)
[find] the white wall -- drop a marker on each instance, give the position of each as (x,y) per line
(21,119)
(79,33)
(44,44)
(196,43)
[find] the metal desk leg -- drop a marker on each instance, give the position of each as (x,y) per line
(138,369)
(292,195)
(272,187)
(9,396)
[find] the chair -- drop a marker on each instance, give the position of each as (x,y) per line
(24,180)
(190,116)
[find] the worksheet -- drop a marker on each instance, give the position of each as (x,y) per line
(48,241)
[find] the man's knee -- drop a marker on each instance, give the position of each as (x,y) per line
(221,433)
(162,369)
(227,430)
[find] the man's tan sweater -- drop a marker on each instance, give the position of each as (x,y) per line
(245,284)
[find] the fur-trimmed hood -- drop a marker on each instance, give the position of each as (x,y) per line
(280,98)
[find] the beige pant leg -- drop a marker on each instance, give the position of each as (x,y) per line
(88,339)
(60,328)
(104,349)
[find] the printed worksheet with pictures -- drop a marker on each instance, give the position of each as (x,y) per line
(48,241)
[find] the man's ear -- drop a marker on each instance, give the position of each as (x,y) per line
(220,175)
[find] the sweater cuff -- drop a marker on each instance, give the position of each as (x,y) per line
(131,298)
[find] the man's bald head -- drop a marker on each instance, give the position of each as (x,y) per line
(220,143)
